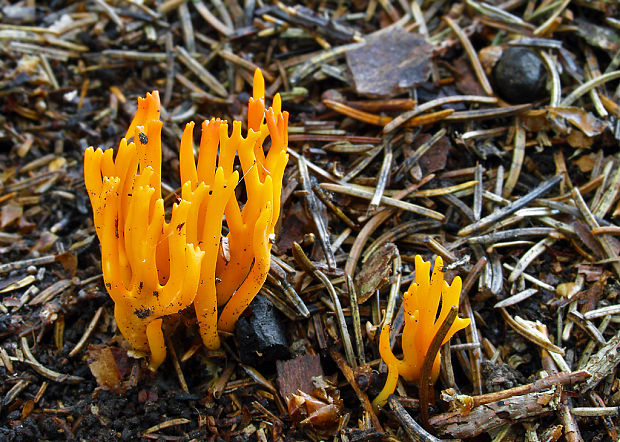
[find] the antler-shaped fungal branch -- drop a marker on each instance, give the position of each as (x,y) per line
(149,268)
(421,324)
(242,268)
(262,176)
(203,178)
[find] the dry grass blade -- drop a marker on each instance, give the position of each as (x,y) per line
(167,424)
(518,153)
(471,54)
(511,208)
(313,209)
(87,332)
(411,427)
(202,73)
(210,18)
(382,179)
(587,326)
(301,257)
(388,201)
(593,224)
(549,23)
(587,86)
(419,152)
(530,333)
(362,238)
(357,324)
(321,195)
(402,118)
(516,298)
(530,256)
(44,371)
(603,311)
(485,114)
(394,289)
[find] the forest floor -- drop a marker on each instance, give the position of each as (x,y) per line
(483,133)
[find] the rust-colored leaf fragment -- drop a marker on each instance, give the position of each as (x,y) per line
(319,413)
(435,159)
(585,163)
(580,118)
(103,367)
(10,213)
(69,262)
(45,242)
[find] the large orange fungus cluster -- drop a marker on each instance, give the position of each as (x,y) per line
(152,267)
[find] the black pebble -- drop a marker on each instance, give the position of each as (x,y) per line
(519,75)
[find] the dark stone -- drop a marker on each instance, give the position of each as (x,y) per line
(519,75)
(260,335)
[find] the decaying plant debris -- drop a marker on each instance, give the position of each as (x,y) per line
(430,149)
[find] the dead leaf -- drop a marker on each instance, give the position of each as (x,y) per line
(375,271)
(583,120)
(45,242)
(9,213)
(320,412)
(27,409)
(68,261)
(591,272)
(103,367)
(58,164)
(489,56)
(435,158)
(466,81)
(293,228)
(579,140)
(535,123)
(585,163)
(588,239)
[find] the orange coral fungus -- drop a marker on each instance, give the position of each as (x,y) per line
(251,229)
(242,270)
(421,324)
(153,268)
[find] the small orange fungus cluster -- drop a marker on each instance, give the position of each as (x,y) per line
(423,317)
(152,267)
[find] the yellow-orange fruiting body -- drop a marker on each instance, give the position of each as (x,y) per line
(421,325)
(242,270)
(153,268)
(257,168)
